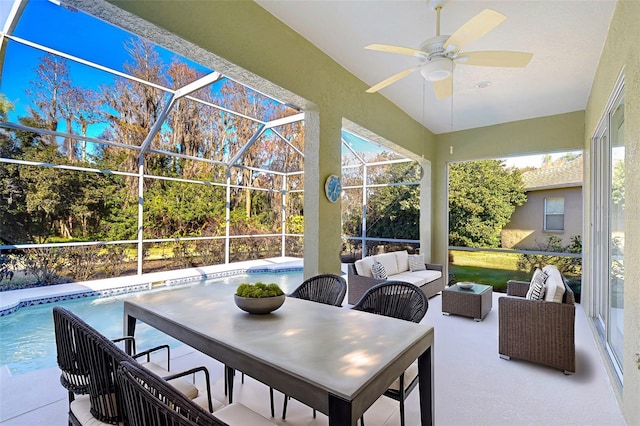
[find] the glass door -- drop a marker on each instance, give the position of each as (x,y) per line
(607,229)
(615,330)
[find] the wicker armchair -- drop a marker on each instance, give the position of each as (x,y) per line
(536,330)
(401,300)
(99,358)
(329,289)
(151,401)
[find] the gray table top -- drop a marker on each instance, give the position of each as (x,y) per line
(336,349)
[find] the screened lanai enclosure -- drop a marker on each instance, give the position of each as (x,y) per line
(119,156)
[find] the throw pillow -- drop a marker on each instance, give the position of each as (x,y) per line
(378,271)
(416,262)
(537,286)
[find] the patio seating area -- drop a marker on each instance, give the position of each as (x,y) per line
(473,385)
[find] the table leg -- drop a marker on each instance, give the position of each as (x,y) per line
(129,330)
(426,386)
(230,373)
(339,412)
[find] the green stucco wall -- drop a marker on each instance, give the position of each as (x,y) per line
(622,51)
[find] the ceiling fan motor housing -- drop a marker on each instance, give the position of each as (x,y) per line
(437,68)
(434,45)
(438,65)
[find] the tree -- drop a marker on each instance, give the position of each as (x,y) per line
(40,203)
(393,211)
(567,265)
(482,197)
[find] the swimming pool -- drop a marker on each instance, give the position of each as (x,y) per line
(27,341)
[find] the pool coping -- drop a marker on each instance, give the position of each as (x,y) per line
(12,300)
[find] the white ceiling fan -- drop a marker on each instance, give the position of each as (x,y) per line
(438,55)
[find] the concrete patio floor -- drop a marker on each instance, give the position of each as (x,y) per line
(473,386)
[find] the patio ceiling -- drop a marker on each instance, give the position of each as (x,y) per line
(566,38)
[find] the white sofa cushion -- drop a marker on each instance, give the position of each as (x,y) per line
(402,259)
(554,284)
(363,266)
(418,277)
(388,260)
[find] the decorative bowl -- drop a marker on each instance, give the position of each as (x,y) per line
(465,285)
(259,305)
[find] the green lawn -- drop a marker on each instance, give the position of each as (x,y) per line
(489,268)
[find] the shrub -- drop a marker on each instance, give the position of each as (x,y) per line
(565,264)
(259,290)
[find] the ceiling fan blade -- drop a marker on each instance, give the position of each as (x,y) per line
(473,29)
(392,79)
(495,58)
(443,88)
(397,49)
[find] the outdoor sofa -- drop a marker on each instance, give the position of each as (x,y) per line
(540,331)
(397,266)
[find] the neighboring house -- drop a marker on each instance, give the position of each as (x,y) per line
(553,207)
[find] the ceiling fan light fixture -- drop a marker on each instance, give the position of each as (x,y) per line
(437,69)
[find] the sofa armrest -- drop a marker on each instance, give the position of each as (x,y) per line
(537,331)
(434,266)
(517,288)
(357,285)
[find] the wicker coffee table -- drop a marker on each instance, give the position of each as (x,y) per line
(474,302)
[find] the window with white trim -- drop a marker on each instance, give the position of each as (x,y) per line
(554,214)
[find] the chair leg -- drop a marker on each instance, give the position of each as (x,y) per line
(402,396)
(226,380)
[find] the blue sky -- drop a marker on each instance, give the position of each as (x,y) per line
(71,32)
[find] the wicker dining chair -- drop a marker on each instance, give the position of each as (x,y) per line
(99,358)
(401,300)
(329,289)
(74,375)
(149,401)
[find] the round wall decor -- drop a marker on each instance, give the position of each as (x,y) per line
(333,188)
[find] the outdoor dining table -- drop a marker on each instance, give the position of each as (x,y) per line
(336,360)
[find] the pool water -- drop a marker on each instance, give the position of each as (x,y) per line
(27,340)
